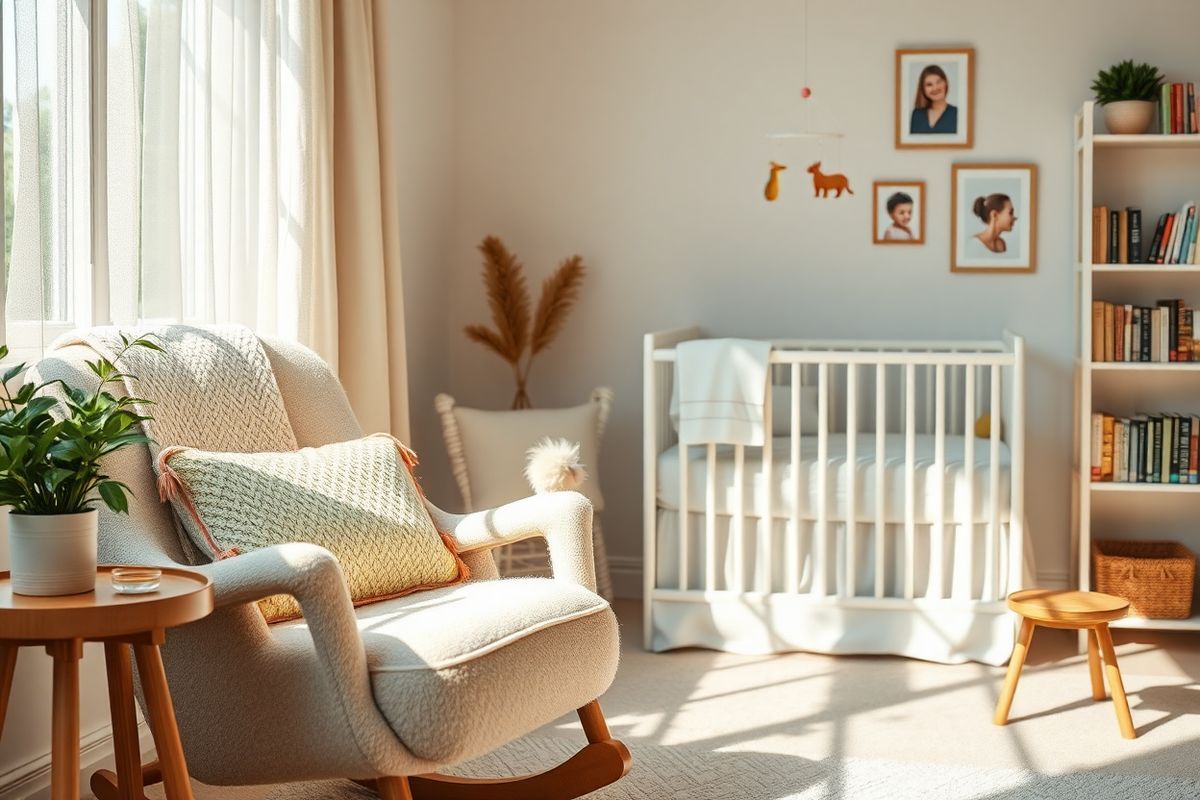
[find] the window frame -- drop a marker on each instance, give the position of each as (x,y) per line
(27,340)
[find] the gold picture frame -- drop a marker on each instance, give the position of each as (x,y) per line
(882,193)
(988,203)
(915,129)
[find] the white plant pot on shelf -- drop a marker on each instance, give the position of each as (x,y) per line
(1129,116)
(53,554)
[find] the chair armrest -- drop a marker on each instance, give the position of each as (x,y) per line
(309,573)
(305,571)
(563,519)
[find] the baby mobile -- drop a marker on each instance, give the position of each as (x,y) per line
(823,183)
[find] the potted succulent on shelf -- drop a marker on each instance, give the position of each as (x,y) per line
(51,475)
(1127,92)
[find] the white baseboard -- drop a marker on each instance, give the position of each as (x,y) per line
(31,780)
(626,574)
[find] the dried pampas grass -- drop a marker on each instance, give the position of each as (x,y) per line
(553,466)
(509,302)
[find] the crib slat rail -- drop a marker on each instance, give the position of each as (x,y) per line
(792,546)
(821,534)
(937,547)
(851,515)
(880,480)
(762,571)
(802,520)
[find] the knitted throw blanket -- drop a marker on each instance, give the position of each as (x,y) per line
(211,388)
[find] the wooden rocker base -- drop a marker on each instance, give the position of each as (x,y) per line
(602,761)
(106,786)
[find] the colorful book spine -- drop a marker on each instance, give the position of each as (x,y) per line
(1114,236)
(1106,448)
(1164,108)
(1166,238)
(1176,108)
(1155,240)
(1192,108)
(1147,331)
(1194,452)
(1135,235)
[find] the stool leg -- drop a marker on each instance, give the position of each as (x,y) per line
(8,667)
(1093,649)
(126,748)
(64,746)
(162,722)
(1114,681)
(1015,664)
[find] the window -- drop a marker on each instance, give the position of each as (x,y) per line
(161,164)
(47,170)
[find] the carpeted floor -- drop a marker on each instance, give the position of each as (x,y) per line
(709,726)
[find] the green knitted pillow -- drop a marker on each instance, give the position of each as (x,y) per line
(358,499)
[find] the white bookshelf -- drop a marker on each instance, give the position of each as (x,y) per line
(1156,173)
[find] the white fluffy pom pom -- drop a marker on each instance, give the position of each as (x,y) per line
(553,466)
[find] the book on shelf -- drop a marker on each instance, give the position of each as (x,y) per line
(1114,232)
(1145,448)
(1191,112)
(1162,333)
(1135,235)
(1177,108)
(1117,236)
(1177,112)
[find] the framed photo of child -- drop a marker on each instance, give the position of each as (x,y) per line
(993,226)
(899,216)
(935,98)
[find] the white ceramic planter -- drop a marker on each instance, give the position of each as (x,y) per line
(53,554)
(1129,116)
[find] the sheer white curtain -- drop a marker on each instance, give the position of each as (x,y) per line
(47,171)
(219,190)
(232,139)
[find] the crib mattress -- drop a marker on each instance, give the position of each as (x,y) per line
(956,487)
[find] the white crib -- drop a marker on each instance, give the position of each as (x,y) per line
(831,538)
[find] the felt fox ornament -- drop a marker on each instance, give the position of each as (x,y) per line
(823,184)
(771,192)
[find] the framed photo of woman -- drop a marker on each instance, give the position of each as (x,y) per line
(899,215)
(994,217)
(935,100)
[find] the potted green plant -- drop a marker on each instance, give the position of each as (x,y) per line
(1127,92)
(51,475)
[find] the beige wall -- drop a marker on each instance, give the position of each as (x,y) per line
(632,131)
(424,64)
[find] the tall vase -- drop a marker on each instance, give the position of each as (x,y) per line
(53,554)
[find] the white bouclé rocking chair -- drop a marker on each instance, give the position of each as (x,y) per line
(387,694)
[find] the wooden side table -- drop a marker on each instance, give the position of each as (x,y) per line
(1072,610)
(62,625)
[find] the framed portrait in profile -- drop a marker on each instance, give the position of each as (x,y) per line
(935,98)
(993,225)
(899,212)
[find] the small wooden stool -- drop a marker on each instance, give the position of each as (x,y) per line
(1092,611)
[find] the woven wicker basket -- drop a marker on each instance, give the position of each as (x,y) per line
(1155,577)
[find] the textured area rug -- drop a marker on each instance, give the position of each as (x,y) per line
(682,773)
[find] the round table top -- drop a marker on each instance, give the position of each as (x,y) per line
(183,596)
(1056,605)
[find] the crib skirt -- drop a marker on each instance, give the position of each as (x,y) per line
(953,616)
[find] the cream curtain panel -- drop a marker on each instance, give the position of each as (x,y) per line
(370,308)
(219,154)
(249,177)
